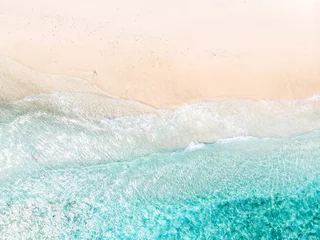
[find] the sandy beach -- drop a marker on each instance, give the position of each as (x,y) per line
(159,119)
(161,53)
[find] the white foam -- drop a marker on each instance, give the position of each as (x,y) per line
(95,128)
(194,146)
(235,139)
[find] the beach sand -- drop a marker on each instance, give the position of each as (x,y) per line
(161,53)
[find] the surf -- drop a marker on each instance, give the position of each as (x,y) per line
(86,166)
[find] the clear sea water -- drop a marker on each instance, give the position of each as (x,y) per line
(76,166)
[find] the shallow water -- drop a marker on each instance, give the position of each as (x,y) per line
(74,169)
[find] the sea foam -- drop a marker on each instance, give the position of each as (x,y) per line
(88,128)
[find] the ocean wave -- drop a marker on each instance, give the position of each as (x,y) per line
(264,185)
(85,166)
(85,128)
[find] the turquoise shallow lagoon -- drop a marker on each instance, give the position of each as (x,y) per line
(231,170)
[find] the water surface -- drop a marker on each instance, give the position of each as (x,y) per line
(86,169)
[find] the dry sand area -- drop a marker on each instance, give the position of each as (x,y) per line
(163,53)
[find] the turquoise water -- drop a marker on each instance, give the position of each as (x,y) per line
(231,170)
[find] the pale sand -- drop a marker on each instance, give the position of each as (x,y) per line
(163,53)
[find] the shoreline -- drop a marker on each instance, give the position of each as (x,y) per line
(62,83)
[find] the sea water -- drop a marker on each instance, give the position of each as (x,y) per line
(80,166)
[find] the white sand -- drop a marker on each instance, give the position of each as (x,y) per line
(164,53)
